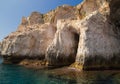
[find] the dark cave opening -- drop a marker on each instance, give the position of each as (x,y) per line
(76,39)
(115,15)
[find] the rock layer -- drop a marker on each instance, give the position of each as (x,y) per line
(86,36)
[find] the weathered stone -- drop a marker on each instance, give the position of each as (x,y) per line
(89,6)
(98,45)
(31,44)
(35,18)
(63,49)
(62,12)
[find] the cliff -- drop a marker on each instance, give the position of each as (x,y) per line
(84,37)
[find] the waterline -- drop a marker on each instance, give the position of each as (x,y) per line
(15,74)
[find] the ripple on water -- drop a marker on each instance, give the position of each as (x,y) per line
(14,74)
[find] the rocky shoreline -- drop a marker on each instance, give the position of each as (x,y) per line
(84,37)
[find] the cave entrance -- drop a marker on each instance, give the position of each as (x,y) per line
(76,37)
(76,40)
(115,15)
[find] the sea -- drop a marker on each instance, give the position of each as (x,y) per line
(15,74)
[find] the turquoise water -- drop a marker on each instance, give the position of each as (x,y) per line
(11,74)
(14,74)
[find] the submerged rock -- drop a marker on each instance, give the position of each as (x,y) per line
(85,36)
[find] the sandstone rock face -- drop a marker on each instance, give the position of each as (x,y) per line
(89,6)
(62,12)
(34,18)
(63,51)
(86,36)
(98,46)
(31,44)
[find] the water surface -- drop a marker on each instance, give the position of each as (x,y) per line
(14,74)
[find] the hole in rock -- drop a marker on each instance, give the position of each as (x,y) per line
(76,39)
(115,15)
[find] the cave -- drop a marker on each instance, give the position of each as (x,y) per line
(62,52)
(76,39)
(115,15)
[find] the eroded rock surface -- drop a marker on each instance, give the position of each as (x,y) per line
(86,36)
(63,49)
(98,46)
(29,44)
(61,12)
